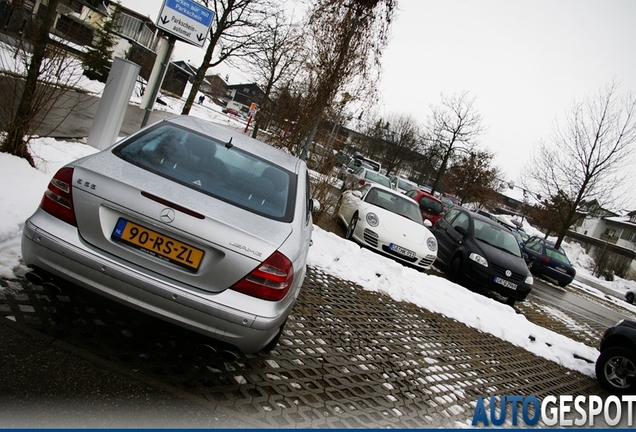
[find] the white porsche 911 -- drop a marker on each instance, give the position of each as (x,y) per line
(389,222)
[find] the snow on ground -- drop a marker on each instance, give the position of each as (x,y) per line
(329,252)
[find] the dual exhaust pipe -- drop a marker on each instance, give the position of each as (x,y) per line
(43,279)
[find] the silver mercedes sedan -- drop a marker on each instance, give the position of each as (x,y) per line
(185,220)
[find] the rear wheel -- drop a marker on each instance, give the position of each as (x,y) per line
(562,284)
(629,297)
(351,227)
(511,301)
(616,370)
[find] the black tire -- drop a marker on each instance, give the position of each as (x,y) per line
(616,370)
(629,298)
(563,284)
(455,270)
(351,227)
(511,301)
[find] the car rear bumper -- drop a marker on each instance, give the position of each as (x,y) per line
(558,276)
(211,314)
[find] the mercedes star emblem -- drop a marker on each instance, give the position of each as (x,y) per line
(167,215)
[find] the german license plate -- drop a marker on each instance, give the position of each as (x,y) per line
(402,251)
(561,269)
(505,283)
(157,245)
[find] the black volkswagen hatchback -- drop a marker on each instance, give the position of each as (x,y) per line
(479,252)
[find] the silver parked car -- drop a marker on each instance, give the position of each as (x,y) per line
(185,220)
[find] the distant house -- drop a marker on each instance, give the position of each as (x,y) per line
(513,200)
(241,96)
(215,87)
(178,75)
(610,227)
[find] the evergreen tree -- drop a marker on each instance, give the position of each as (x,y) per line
(98,58)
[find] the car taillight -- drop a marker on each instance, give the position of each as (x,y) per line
(58,198)
(271,280)
(362,182)
(545,260)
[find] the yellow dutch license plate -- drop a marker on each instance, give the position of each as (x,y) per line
(157,245)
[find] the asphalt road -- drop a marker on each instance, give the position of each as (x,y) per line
(70,114)
(575,304)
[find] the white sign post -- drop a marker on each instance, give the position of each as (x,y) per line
(180,19)
(186,20)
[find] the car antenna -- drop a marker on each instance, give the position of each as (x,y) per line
(229,144)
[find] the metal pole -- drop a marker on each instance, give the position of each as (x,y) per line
(159,75)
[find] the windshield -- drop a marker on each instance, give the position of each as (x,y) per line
(390,201)
(497,237)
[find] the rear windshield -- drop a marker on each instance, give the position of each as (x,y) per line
(207,165)
(430,205)
(557,255)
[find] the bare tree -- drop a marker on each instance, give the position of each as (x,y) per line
(453,127)
(345,39)
(394,140)
(583,159)
(47,71)
(235,32)
(277,60)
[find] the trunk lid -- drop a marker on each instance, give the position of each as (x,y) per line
(174,231)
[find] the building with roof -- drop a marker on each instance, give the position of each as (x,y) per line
(615,229)
(241,96)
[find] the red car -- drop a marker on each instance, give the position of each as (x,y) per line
(430,207)
(230,111)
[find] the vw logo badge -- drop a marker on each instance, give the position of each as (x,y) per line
(508,273)
(167,215)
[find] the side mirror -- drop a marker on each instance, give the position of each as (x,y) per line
(427,223)
(314,205)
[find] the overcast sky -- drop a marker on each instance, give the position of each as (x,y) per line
(525,61)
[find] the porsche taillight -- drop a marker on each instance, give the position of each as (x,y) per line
(58,198)
(271,280)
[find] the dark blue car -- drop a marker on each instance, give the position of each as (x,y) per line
(544,259)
